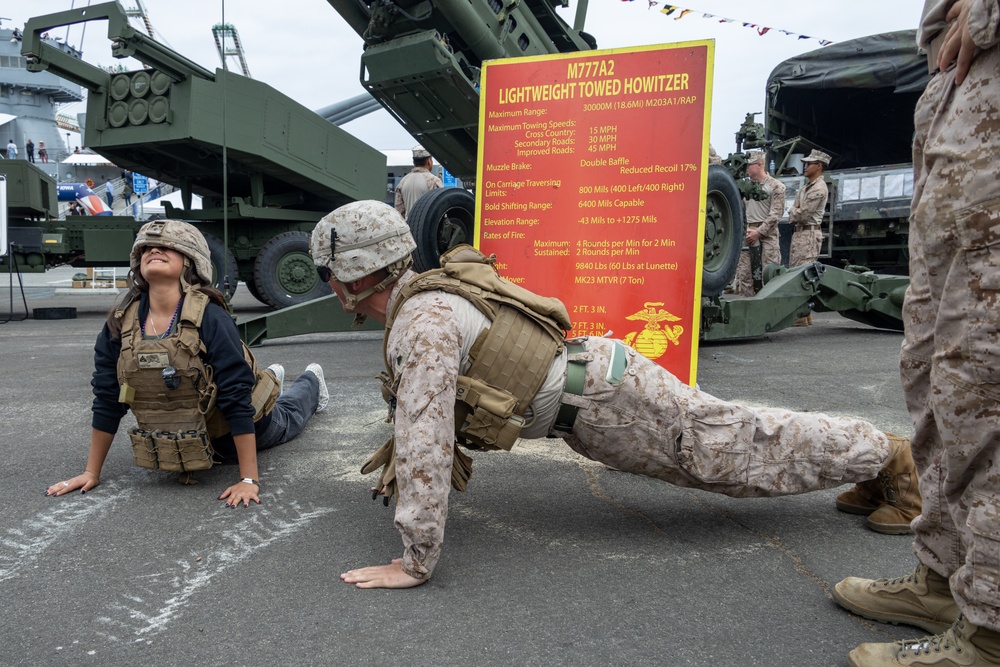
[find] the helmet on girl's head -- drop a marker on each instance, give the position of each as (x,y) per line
(360,238)
(176,235)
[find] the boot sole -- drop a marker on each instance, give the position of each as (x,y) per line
(855,509)
(890,528)
(927,624)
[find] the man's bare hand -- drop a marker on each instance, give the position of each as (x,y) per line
(382,576)
(958,46)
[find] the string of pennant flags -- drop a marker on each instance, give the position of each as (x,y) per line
(681,12)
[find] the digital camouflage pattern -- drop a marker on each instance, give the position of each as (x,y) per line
(650,424)
(950,360)
(413,186)
(370,236)
(763,216)
(806,215)
(177,235)
(655,425)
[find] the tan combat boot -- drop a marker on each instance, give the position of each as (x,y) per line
(891,500)
(963,644)
(921,598)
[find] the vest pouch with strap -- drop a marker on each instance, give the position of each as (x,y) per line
(143,449)
(484,416)
(263,397)
(510,360)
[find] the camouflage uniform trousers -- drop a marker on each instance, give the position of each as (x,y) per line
(770,254)
(805,246)
(655,425)
(950,359)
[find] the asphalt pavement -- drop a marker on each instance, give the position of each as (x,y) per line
(550,559)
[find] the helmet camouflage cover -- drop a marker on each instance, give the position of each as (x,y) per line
(177,235)
(360,238)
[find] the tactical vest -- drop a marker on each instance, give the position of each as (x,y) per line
(172,392)
(510,359)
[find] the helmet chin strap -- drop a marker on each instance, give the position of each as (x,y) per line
(352,300)
(184,284)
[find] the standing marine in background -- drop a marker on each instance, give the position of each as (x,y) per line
(806,216)
(417,183)
(762,219)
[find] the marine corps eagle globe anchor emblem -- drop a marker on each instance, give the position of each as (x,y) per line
(652,341)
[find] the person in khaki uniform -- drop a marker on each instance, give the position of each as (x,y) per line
(762,223)
(950,359)
(417,183)
(606,401)
(806,215)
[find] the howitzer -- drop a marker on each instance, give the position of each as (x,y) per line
(788,294)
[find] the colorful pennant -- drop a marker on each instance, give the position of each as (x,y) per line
(668,10)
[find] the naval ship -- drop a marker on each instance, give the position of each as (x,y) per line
(29,102)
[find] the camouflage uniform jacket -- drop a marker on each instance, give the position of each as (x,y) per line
(810,200)
(428,348)
(413,186)
(766,213)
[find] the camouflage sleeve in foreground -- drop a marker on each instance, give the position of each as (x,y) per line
(424,349)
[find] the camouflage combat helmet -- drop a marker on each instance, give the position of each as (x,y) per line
(360,238)
(179,236)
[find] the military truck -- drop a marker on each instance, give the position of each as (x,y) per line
(853,100)
(266,167)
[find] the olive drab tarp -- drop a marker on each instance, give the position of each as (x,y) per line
(848,98)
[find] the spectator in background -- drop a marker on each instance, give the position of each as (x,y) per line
(127,190)
(29,148)
(417,183)
(11,149)
(43,154)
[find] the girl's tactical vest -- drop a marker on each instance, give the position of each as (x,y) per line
(172,392)
(510,359)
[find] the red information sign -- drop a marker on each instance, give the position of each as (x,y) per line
(591,188)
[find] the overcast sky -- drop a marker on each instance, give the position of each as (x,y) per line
(304,49)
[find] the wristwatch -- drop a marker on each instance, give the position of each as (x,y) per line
(248,480)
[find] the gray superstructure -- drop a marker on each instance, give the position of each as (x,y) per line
(32,99)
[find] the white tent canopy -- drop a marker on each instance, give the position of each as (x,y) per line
(84,159)
(6,118)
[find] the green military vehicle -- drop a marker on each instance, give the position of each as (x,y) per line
(267,168)
(853,100)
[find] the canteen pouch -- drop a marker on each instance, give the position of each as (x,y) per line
(143,450)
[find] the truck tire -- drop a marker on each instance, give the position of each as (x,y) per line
(221,266)
(252,288)
(284,273)
(724,231)
(440,220)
